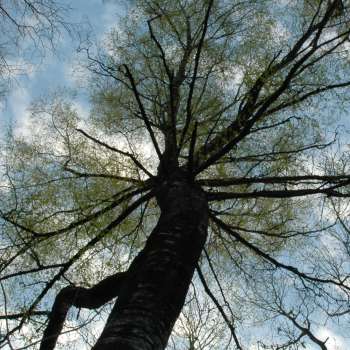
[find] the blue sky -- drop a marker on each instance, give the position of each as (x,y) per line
(58,69)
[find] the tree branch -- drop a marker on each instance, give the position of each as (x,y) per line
(294,180)
(22,314)
(142,111)
(79,297)
(329,192)
(111,148)
(123,215)
(102,175)
(159,46)
(77,223)
(221,310)
(194,76)
(304,330)
(275,262)
(246,118)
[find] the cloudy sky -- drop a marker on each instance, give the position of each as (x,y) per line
(58,69)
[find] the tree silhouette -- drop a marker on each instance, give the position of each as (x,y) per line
(208,157)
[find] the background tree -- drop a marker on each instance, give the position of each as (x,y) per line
(208,148)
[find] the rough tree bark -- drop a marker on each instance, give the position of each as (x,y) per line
(91,298)
(157,281)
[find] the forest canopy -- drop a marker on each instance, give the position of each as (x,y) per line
(203,202)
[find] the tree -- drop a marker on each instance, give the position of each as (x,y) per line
(208,148)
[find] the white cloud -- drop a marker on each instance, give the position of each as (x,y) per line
(19,102)
(83,112)
(69,334)
(334,341)
(280,32)
(110,15)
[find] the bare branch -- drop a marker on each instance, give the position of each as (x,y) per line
(122,216)
(194,76)
(142,111)
(291,180)
(219,307)
(246,117)
(329,192)
(78,223)
(79,297)
(111,148)
(102,175)
(272,260)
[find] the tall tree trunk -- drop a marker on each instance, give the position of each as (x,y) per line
(158,279)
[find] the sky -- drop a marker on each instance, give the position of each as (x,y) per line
(59,70)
